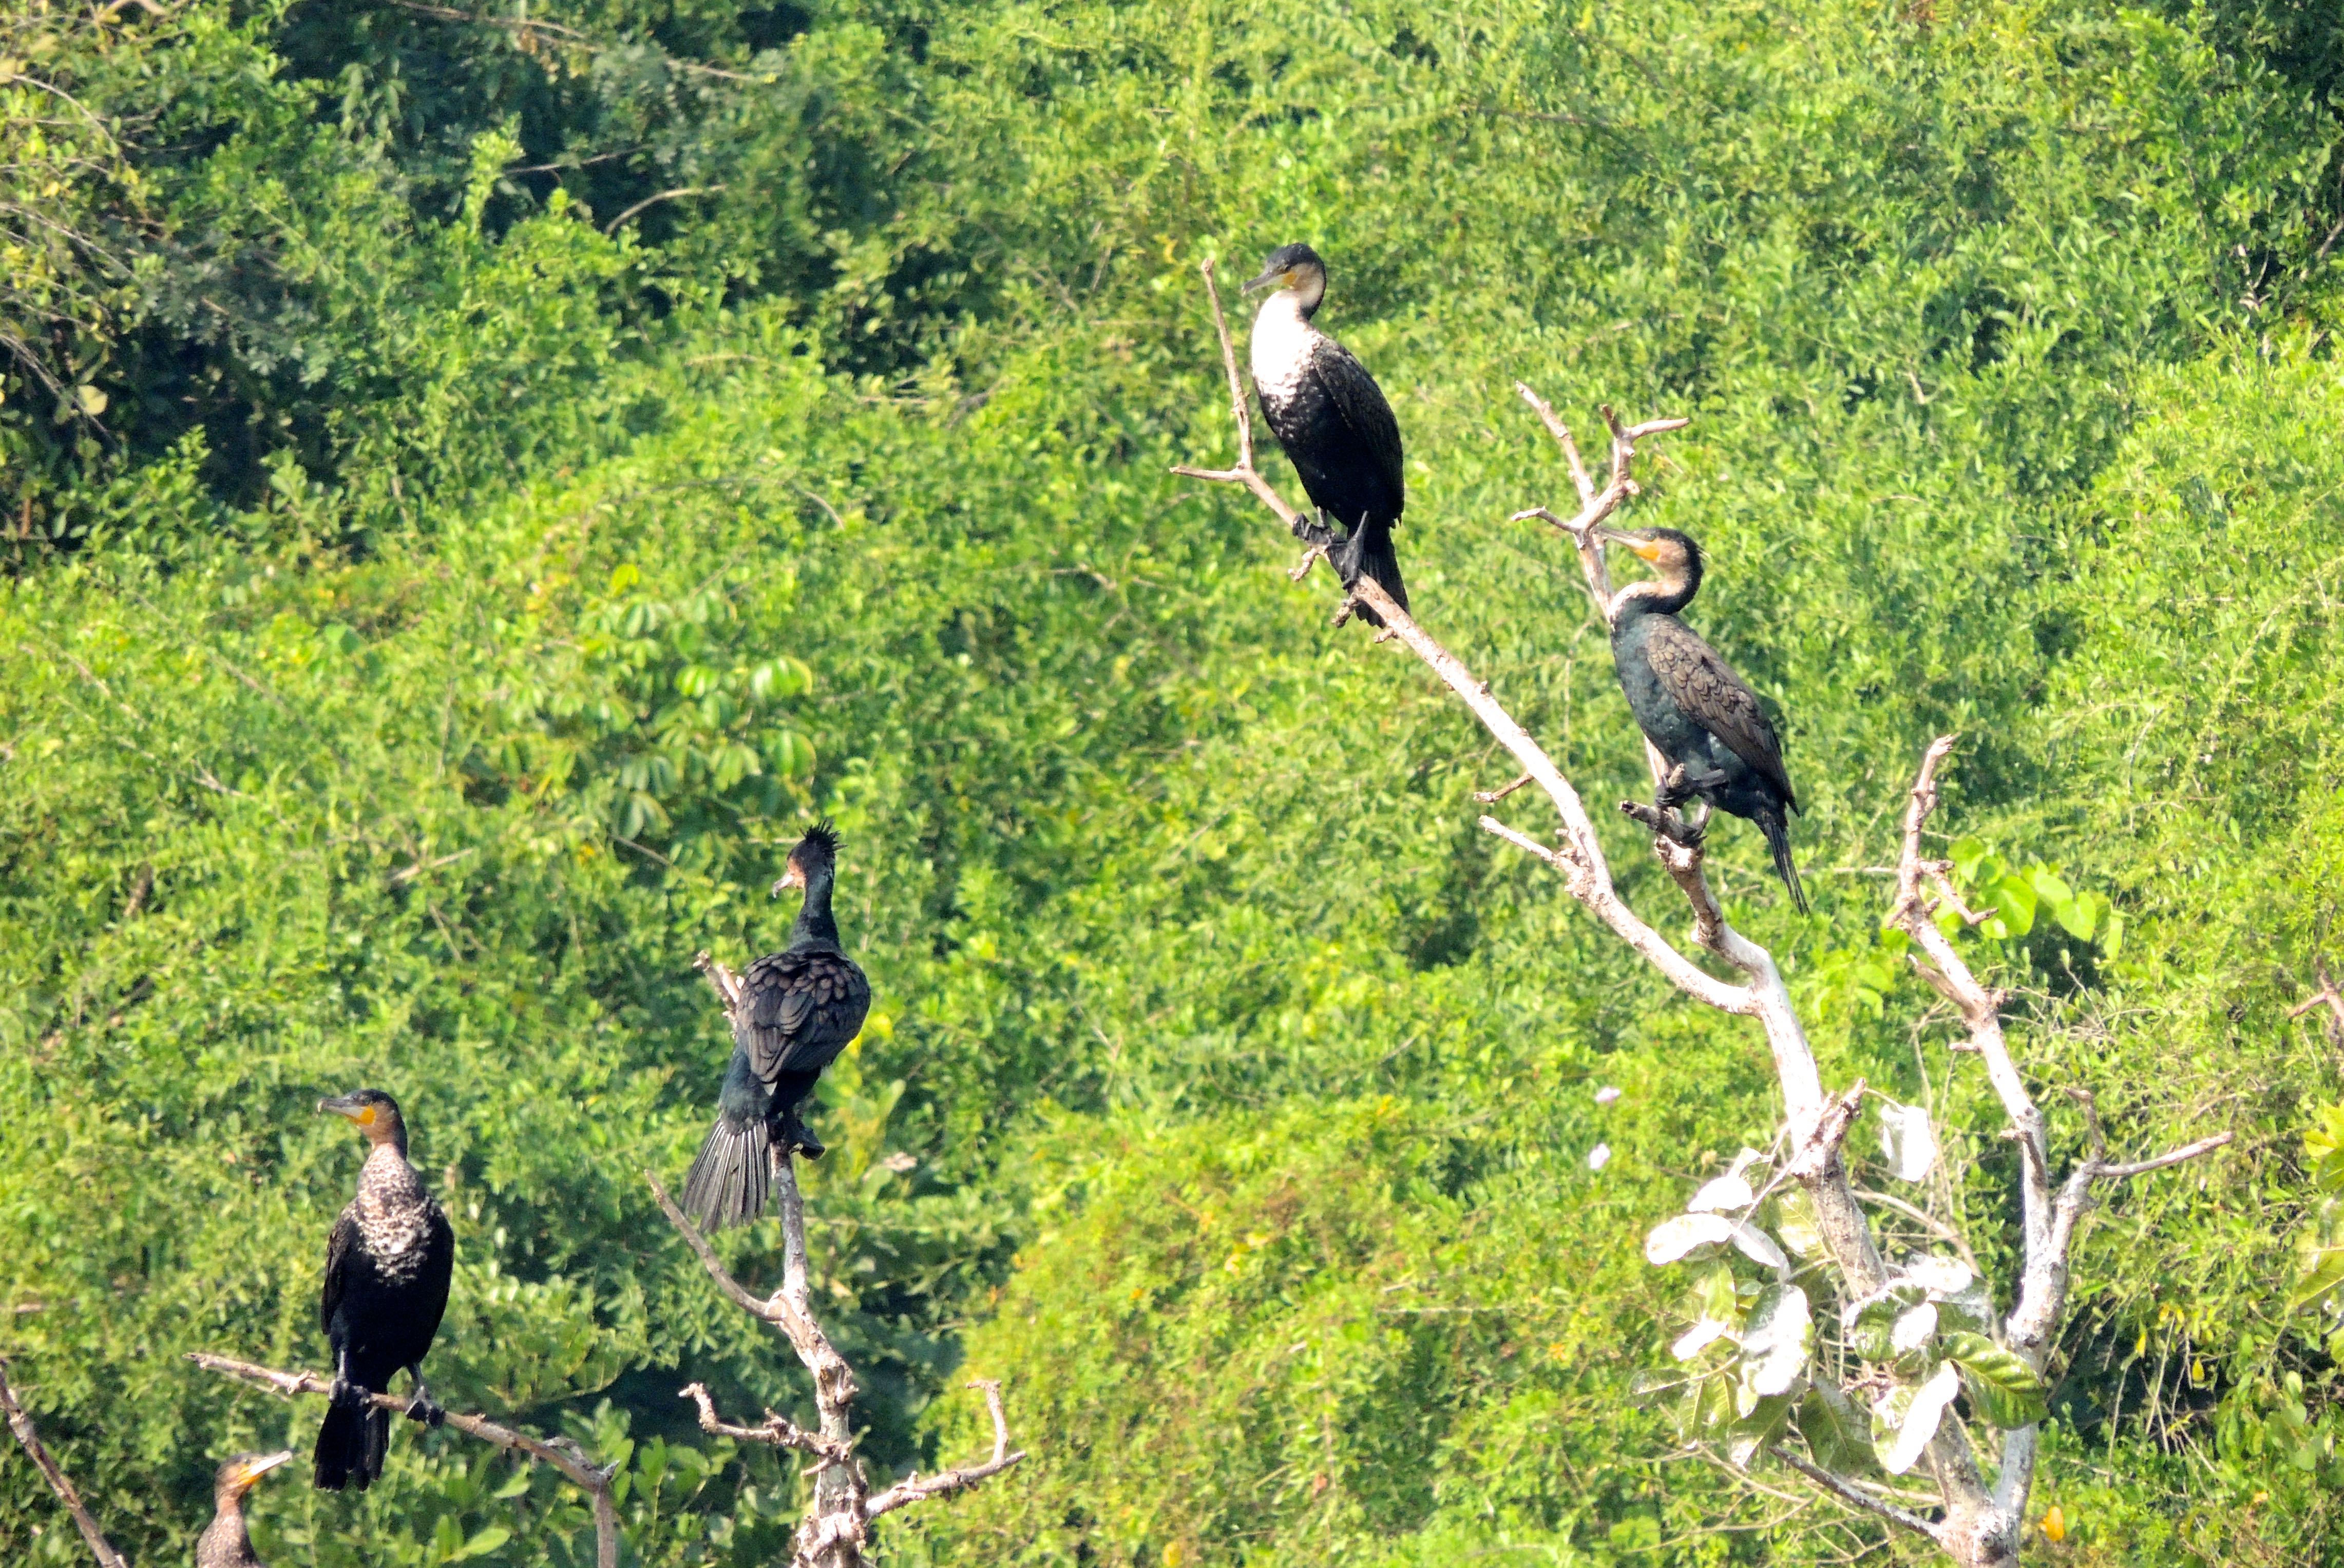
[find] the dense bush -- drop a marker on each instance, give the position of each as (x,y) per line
(414,691)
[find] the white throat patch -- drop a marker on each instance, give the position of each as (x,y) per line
(1283,344)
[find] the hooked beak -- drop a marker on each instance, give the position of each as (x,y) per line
(341,1104)
(792,878)
(1270,280)
(254,1469)
(1643,550)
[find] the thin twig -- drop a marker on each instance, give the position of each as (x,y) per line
(560,1453)
(29,1438)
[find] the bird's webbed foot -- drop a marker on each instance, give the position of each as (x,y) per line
(796,1135)
(1673,791)
(421,1406)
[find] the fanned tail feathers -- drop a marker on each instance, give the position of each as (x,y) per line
(729,1181)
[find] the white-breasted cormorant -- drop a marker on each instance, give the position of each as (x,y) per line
(1697,713)
(798,1009)
(386,1289)
(224,1543)
(1332,419)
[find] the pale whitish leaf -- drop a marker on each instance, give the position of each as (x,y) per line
(1796,1224)
(1836,1432)
(1672,1238)
(1607,1094)
(1725,1193)
(1909,1141)
(1699,1338)
(1776,1340)
(1916,1327)
(1755,1244)
(1599,1156)
(1744,1160)
(1941,1277)
(1916,1423)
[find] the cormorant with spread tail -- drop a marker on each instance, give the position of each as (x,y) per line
(224,1543)
(798,1009)
(387,1270)
(1697,713)
(1332,419)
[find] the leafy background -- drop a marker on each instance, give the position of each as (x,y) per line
(475,483)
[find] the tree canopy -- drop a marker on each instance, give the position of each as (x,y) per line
(476,483)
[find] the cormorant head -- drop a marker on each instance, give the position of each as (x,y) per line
(815,858)
(1674,558)
(242,1473)
(373,1113)
(1295,267)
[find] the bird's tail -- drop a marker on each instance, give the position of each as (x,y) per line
(352,1442)
(1369,552)
(729,1181)
(1778,839)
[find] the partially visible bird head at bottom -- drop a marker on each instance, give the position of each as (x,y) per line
(1295,267)
(373,1113)
(1674,558)
(242,1473)
(815,855)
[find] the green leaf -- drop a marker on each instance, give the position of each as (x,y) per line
(2326,1273)
(2013,901)
(1965,853)
(1797,1223)
(2112,943)
(1775,1342)
(2002,1387)
(1757,1430)
(1904,1421)
(484,1542)
(91,399)
(1837,1434)
(2050,885)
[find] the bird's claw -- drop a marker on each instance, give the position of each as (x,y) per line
(423,1408)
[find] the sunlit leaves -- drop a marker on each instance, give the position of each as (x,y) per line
(1907,1141)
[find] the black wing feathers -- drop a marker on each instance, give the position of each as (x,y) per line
(798,1010)
(1354,395)
(1709,692)
(338,1248)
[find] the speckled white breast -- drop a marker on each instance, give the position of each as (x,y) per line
(1283,343)
(392,1220)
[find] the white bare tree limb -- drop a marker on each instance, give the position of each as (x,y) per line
(836,1530)
(1979,1525)
(29,1438)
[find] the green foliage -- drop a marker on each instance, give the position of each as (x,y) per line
(476,603)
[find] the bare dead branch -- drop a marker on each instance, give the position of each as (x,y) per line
(776,1430)
(2327,997)
(913,1488)
(560,1452)
(835,1532)
(1846,1492)
(29,1438)
(1492,796)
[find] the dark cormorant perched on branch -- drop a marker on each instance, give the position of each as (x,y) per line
(798,1009)
(387,1270)
(1332,419)
(1697,713)
(224,1543)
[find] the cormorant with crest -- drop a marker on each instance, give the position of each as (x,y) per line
(1332,419)
(224,1543)
(386,1289)
(798,1009)
(1697,713)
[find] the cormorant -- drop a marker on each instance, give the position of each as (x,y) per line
(798,1009)
(385,1286)
(1332,419)
(1697,713)
(224,1543)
